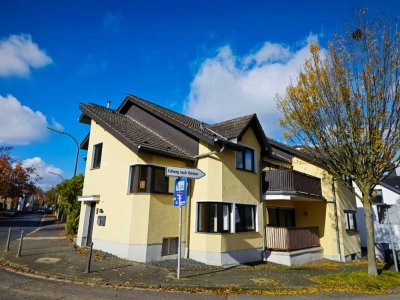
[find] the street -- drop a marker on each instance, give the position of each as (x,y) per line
(26,222)
(17,286)
(50,235)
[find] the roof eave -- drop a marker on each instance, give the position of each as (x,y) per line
(144,148)
(111,130)
(85,143)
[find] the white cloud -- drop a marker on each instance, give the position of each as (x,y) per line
(18,55)
(20,125)
(228,85)
(43,170)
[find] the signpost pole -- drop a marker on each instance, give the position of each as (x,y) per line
(181,198)
(178,273)
(186,254)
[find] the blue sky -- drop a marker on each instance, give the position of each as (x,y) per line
(212,60)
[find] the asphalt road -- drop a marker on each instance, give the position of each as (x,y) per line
(17,286)
(26,222)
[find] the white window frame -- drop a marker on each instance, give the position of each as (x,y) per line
(232,217)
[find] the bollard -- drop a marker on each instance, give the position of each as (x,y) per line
(8,240)
(90,259)
(20,244)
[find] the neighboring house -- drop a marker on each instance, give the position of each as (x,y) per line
(250,182)
(386,215)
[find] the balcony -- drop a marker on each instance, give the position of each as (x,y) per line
(286,184)
(291,239)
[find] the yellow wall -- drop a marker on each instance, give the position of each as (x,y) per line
(148,218)
(345,200)
(223,183)
(130,218)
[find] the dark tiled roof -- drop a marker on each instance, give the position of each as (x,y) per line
(233,128)
(392,182)
(130,132)
(194,126)
(226,130)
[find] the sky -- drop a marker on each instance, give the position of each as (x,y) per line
(212,60)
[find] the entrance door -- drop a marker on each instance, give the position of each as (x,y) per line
(91,221)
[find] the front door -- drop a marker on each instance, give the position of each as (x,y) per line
(91,221)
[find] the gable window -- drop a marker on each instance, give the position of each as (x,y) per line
(214,217)
(245,218)
(148,179)
(96,160)
(245,160)
(377,196)
(350,219)
(281,217)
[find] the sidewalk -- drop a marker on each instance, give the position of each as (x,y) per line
(48,252)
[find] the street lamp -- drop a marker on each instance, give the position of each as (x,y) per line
(76,142)
(62,178)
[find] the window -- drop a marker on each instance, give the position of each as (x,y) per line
(350,219)
(377,196)
(148,179)
(97,150)
(382,211)
(387,214)
(214,217)
(169,246)
(347,179)
(245,160)
(245,217)
(281,217)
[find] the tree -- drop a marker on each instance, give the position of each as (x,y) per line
(5,170)
(345,109)
(69,190)
(16,179)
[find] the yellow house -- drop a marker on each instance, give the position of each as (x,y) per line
(259,199)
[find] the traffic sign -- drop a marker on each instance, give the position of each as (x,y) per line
(180,192)
(192,173)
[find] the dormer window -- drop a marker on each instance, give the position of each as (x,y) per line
(96,158)
(245,160)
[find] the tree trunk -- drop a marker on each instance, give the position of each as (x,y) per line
(370,234)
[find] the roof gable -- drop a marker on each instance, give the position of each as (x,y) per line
(132,133)
(236,128)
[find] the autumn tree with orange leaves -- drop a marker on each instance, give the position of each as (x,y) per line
(15,178)
(344,108)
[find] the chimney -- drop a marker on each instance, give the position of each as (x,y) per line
(108,103)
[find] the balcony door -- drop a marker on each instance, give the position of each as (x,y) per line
(281,217)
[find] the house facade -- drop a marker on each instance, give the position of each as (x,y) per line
(385,216)
(259,199)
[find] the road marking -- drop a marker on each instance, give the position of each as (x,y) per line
(40,226)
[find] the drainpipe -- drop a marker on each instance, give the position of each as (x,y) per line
(336,219)
(263,255)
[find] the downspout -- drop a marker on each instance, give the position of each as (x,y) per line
(188,207)
(336,219)
(263,254)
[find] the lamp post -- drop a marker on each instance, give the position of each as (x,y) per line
(62,178)
(76,142)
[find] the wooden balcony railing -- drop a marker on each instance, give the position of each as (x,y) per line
(289,239)
(287,180)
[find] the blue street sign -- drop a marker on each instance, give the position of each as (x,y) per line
(180,192)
